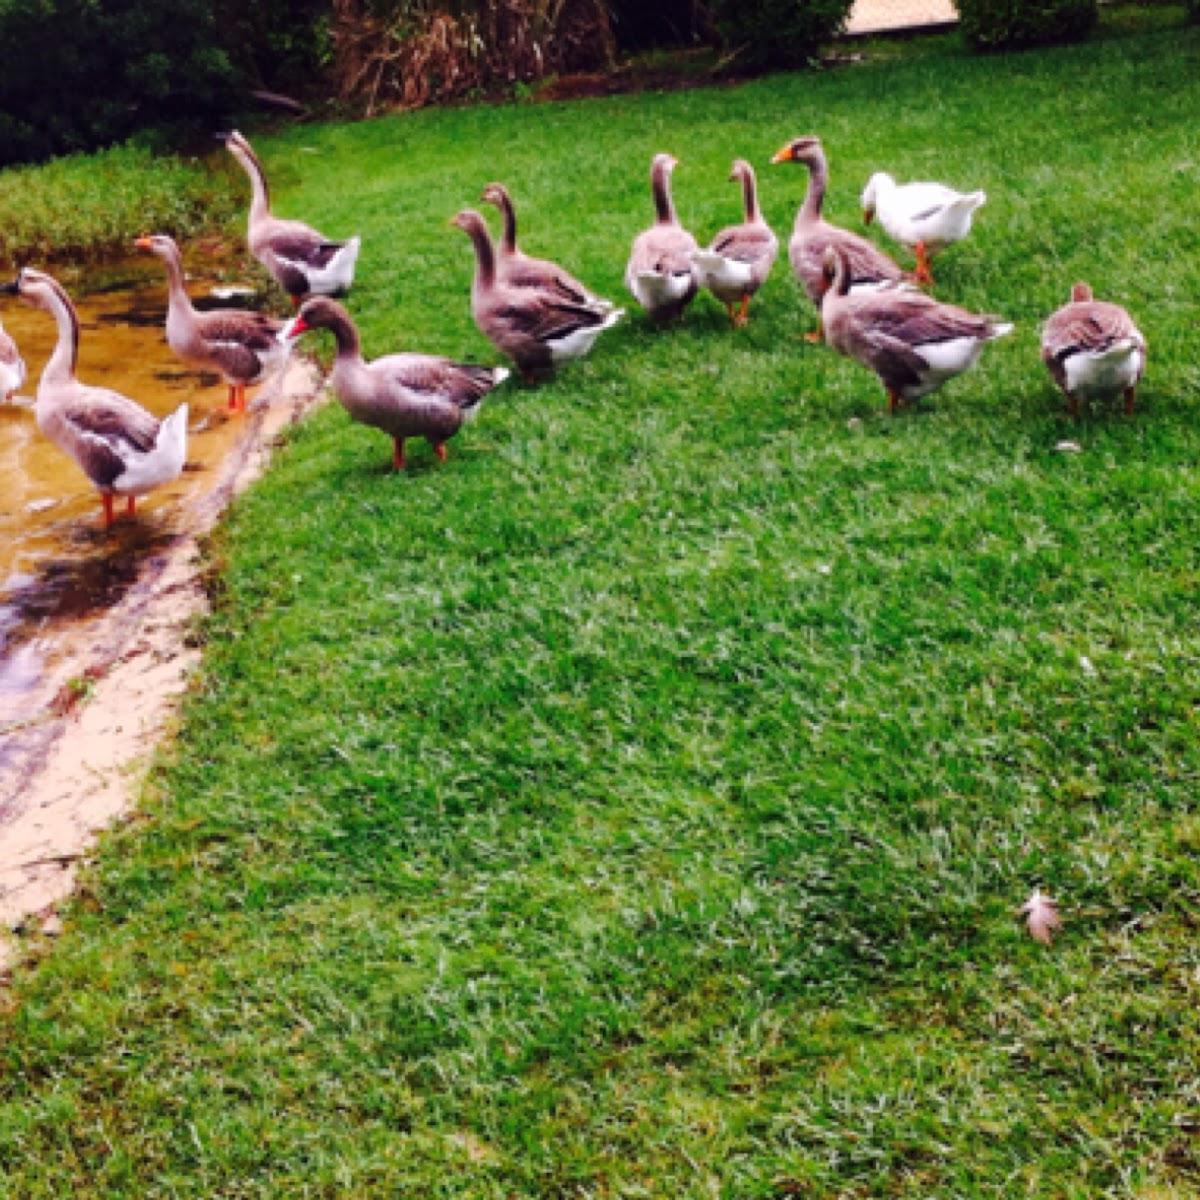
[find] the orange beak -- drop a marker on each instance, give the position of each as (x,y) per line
(143,243)
(783,155)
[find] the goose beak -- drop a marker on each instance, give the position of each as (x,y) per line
(292,330)
(782,155)
(143,243)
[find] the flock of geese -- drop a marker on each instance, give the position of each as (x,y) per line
(538,315)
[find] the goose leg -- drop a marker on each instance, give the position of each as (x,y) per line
(398,454)
(233,397)
(893,400)
(815,335)
(740,319)
(1073,405)
(130,505)
(440,451)
(1130,397)
(922,274)
(106,501)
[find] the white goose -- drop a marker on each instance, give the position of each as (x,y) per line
(300,259)
(925,217)
(120,447)
(1092,349)
(12,366)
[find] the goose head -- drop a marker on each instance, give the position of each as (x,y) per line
(805,150)
(158,243)
(878,182)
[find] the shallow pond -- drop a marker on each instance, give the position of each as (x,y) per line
(58,565)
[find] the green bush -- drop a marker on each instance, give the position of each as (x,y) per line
(777,33)
(1010,24)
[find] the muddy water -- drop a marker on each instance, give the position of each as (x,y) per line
(58,565)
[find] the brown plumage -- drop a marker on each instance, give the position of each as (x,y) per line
(913,342)
(660,273)
(244,347)
(868,266)
(300,259)
(533,324)
(737,261)
(1092,349)
(404,395)
(120,447)
(514,266)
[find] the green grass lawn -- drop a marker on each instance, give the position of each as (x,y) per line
(638,803)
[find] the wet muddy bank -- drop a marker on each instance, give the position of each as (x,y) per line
(95,623)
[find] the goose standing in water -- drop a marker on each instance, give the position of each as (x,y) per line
(12,366)
(242,346)
(119,446)
(299,258)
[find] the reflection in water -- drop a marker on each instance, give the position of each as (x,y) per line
(57,562)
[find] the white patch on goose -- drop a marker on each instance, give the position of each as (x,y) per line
(579,341)
(1104,372)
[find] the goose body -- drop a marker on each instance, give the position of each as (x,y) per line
(913,342)
(518,269)
(123,449)
(660,273)
(1093,350)
(736,262)
(242,346)
(869,269)
(532,323)
(299,258)
(925,217)
(12,366)
(404,395)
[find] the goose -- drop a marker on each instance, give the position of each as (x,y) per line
(737,261)
(534,325)
(243,346)
(924,217)
(913,342)
(869,268)
(299,259)
(119,446)
(12,365)
(405,395)
(1092,348)
(515,267)
(660,273)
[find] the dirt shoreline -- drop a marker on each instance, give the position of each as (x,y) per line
(118,679)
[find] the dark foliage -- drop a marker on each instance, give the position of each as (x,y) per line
(777,33)
(79,75)
(1012,24)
